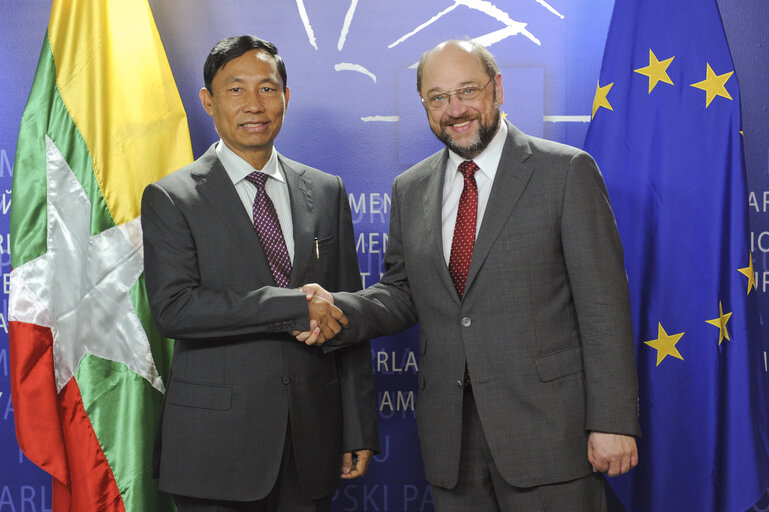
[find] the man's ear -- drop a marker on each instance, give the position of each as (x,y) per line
(206,100)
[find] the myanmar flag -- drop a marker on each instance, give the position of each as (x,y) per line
(102,121)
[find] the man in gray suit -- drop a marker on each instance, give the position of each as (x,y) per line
(251,419)
(504,247)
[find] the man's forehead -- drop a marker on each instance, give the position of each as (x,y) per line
(452,63)
(234,68)
(254,56)
(459,54)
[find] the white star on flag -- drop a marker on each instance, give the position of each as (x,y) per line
(80,287)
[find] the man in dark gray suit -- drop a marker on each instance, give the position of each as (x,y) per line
(251,419)
(504,247)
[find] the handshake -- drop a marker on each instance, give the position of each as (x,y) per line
(326,320)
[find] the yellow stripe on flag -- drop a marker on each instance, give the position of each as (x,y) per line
(114,78)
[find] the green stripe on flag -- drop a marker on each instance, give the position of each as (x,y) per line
(119,404)
(46,114)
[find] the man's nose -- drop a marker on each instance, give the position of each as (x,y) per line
(254,102)
(456,107)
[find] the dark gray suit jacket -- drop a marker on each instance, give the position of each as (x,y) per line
(237,375)
(544,325)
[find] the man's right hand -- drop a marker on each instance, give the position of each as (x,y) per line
(326,320)
(318,335)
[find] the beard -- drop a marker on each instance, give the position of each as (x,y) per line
(483,135)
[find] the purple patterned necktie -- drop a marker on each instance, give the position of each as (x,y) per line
(268,230)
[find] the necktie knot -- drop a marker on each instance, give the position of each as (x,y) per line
(258,178)
(468,168)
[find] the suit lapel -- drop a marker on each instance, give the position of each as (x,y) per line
(300,192)
(509,183)
(432,207)
(216,187)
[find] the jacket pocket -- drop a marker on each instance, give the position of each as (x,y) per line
(326,244)
(559,364)
(202,396)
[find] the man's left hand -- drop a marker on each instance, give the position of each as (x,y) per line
(355,463)
(613,454)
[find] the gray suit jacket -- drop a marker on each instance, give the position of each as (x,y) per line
(544,325)
(237,375)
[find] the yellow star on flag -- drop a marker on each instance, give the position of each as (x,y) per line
(750,274)
(720,322)
(665,344)
(600,99)
(656,70)
(714,85)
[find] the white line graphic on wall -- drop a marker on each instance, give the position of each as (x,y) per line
(512,27)
(348,66)
(567,119)
(383,119)
(346,26)
(306,23)
(549,8)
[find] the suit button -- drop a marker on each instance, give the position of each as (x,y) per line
(466,322)
(459,384)
(286,380)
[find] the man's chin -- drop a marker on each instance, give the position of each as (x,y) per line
(467,151)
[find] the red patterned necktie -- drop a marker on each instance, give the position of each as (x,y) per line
(268,230)
(464,228)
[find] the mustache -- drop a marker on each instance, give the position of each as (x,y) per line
(457,120)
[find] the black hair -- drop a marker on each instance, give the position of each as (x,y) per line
(233,47)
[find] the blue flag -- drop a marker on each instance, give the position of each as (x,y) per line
(666,134)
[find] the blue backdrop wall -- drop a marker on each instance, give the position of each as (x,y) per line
(354,111)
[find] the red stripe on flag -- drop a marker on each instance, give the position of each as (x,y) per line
(54,431)
(92,485)
(35,403)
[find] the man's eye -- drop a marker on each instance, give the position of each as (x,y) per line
(268,90)
(438,98)
(235,89)
(468,90)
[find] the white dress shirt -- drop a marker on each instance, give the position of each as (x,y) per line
(453,182)
(276,188)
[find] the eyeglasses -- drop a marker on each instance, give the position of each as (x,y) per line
(463,94)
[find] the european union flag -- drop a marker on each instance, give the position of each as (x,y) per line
(666,134)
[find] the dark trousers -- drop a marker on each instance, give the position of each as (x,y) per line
(481,488)
(286,496)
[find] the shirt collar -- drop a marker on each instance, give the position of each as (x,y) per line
(238,169)
(487,161)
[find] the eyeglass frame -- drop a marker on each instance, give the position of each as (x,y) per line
(454,92)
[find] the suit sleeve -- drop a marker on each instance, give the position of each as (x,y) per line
(387,307)
(355,370)
(182,306)
(595,266)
